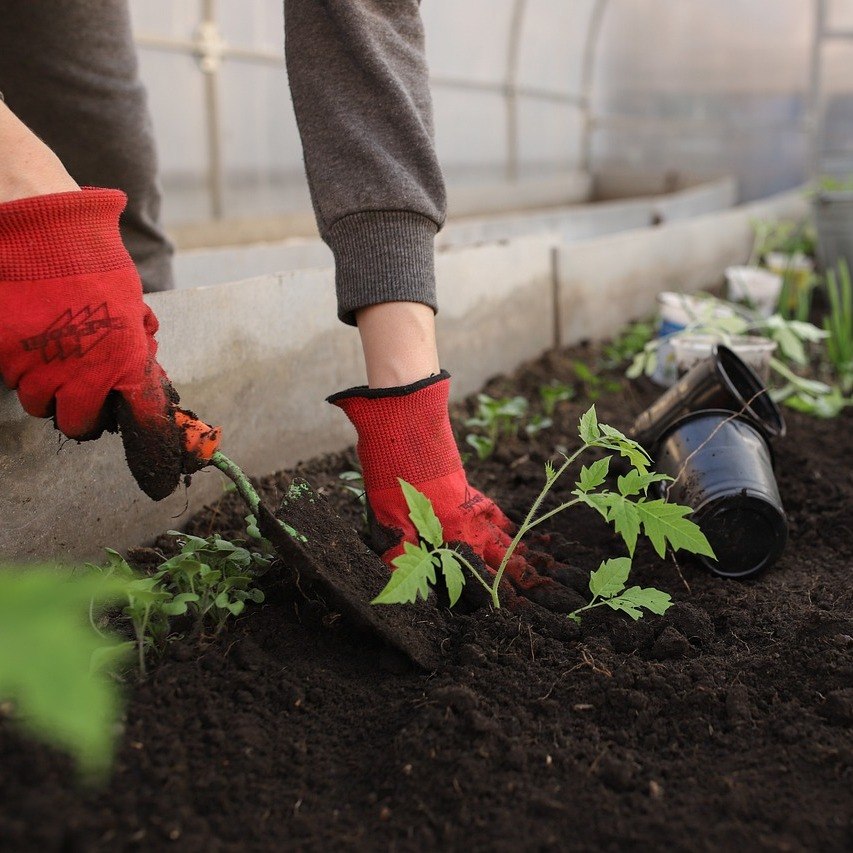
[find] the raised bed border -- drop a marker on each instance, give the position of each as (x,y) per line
(259,356)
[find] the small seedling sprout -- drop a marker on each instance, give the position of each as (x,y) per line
(553,393)
(497,417)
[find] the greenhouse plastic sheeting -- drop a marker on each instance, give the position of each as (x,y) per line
(521,88)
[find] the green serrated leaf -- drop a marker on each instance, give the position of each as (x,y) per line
(598,501)
(454,577)
(652,599)
(637,482)
(550,473)
(613,439)
(666,523)
(621,512)
(625,606)
(610,577)
(422,515)
(413,571)
(588,428)
(593,476)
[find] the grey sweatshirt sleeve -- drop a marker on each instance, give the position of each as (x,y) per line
(69,71)
(359,82)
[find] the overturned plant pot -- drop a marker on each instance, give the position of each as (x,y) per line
(722,381)
(722,467)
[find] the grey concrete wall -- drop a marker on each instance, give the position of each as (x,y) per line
(259,356)
(569,223)
(604,282)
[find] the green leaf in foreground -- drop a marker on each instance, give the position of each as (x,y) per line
(414,571)
(422,514)
(610,577)
(52,661)
(453,576)
(652,599)
(663,523)
(588,428)
(593,476)
(607,585)
(666,523)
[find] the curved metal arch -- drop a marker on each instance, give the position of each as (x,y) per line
(511,87)
(516,27)
(593,35)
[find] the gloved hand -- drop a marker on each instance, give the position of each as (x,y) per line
(405,432)
(76,339)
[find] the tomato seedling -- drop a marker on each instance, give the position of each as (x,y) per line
(629,509)
(497,417)
(553,393)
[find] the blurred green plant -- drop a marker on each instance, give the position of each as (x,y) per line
(838,325)
(54,664)
(497,417)
(554,393)
(831,184)
(792,337)
(786,236)
(594,385)
(627,344)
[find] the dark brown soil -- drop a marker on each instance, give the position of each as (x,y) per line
(724,725)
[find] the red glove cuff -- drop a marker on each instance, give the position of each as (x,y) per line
(402,432)
(61,235)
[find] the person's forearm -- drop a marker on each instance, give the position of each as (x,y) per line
(359,81)
(27,166)
(398,340)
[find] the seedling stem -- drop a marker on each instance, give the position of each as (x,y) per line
(246,490)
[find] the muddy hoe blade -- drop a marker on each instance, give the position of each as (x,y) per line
(326,555)
(348,575)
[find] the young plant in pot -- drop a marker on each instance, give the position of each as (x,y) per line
(787,248)
(775,347)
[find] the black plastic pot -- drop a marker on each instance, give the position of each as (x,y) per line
(722,381)
(722,467)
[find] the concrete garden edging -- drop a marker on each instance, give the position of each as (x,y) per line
(566,222)
(259,356)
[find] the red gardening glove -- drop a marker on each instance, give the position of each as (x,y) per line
(76,339)
(406,433)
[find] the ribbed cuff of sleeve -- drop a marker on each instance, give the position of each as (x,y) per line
(61,234)
(383,256)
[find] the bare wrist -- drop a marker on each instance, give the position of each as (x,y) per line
(27,166)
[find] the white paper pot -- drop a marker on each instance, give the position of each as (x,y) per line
(677,311)
(757,287)
(754,350)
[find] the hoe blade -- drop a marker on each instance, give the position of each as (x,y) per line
(348,576)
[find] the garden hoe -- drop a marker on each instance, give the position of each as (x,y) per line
(325,553)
